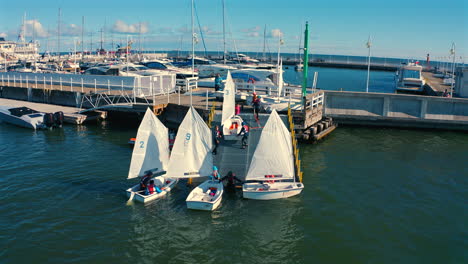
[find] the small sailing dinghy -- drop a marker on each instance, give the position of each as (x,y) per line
(191,158)
(271,171)
(231,124)
(151,153)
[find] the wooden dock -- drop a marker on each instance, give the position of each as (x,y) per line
(434,84)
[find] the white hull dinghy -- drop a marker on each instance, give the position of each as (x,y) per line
(231,124)
(271,172)
(272,190)
(163,183)
(191,158)
(151,153)
(206,196)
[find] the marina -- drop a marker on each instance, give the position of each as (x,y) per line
(205,132)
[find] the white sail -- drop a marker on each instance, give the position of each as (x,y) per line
(151,150)
(273,155)
(229,100)
(191,155)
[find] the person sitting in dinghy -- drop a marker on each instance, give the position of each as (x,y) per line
(144,180)
(151,188)
(215,174)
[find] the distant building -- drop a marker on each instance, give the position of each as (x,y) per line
(461,81)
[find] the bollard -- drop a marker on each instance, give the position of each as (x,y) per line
(35,79)
(27,82)
(8,79)
(71,84)
(50,83)
(43,87)
(60,83)
(121,85)
(82,90)
(95,89)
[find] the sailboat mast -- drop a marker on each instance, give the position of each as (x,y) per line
(306,64)
(224,33)
(58,31)
(264,43)
(193,53)
(82,37)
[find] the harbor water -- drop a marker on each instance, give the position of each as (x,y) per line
(371,196)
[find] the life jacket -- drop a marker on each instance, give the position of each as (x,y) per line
(246,128)
(150,188)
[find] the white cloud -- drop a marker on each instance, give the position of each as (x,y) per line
(70,30)
(122,27)
(34,27)
(3,35)
(275,33)
(253,34)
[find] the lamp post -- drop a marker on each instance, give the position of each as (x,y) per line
(368,44)
(452,52)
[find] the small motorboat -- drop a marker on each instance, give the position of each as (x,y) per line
(29,118)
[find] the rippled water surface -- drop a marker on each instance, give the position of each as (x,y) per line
(371,196)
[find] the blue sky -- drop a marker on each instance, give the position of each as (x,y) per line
(404,29)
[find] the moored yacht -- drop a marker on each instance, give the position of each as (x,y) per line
(409,78)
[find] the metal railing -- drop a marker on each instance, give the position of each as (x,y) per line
(297,160)
(187,84)
(140,85)
(211,114)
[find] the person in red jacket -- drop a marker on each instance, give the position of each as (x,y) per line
(150,188)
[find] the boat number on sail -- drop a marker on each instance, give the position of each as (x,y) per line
(142,144)
(187,138)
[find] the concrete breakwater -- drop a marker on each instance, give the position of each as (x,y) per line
(397,110)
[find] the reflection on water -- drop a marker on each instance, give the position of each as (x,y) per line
(371,195)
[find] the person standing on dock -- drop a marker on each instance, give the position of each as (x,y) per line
(238,109)
(446,93)
(245,134)
(256,105)
(217,82)
(216,137)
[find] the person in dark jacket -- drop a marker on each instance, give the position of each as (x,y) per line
(216,137)
(231,180)
(245,134)
(145,180)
